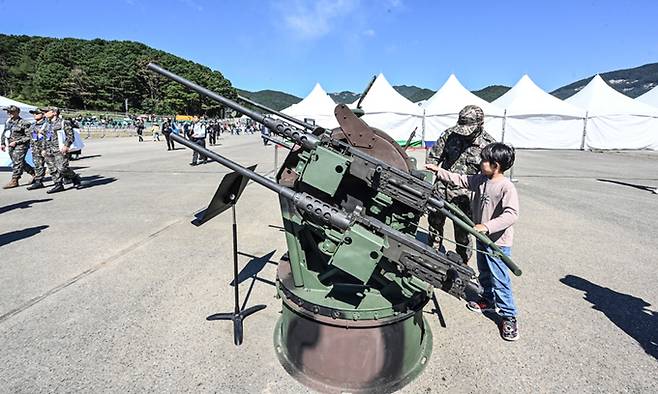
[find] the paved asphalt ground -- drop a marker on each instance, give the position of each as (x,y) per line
(106,289)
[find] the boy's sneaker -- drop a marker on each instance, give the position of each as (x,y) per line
(509,329)
(481,305)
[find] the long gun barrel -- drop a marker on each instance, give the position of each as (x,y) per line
(279,113)
(397,184)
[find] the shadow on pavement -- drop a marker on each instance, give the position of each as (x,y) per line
(87,157)
(627,312)
(22,205)
(12,236)
(253,267)
(96,180)
(251,256)
(652,189)
(437,311)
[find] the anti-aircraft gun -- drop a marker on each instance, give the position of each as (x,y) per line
(355,279)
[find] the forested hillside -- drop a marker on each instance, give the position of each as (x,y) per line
(102,75)
(271,98)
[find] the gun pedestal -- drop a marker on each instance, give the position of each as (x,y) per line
(226,196)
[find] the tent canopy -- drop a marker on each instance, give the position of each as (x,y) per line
(598,98)
(6,102)
(318,106)
(453,96)
(650,97)
(382,98)
(527,99)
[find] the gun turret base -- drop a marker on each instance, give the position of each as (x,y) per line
(336,355)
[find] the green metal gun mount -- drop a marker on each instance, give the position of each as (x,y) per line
(355,279)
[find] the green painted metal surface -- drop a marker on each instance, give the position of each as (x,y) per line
(359,253)
(324,170)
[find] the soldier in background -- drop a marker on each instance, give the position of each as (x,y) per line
(458,150)
(139,124)
(59,156)
(37,133)
(18,144)
(211,128)
(167,129)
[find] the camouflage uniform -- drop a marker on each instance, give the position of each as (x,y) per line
(18,133)
(60,160)
(458,150)
(38,132)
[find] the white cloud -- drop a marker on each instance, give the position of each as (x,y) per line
(310,20)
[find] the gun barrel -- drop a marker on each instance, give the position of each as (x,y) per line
(299,136)
(258,117)
(261,180)
(277,113)
(320,211)
(484,239)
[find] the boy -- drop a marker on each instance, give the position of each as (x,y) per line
(495,208)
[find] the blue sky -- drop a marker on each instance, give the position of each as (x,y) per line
(288,45)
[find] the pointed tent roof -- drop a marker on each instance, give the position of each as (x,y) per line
(353,104)
(650,97)
(526,98)
(382,98)
(453,96)
(598,98)
(6,102)
(316,105)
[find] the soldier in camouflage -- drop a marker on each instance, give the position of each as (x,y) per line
(37,133)
(59,156)
(18,144)
(458,150)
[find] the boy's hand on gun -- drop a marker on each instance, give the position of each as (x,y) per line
(481,228)
(432,167)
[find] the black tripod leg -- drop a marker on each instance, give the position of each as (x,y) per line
(237,329)
(252,309)
(221,316)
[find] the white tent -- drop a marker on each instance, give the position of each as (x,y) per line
(442,110)
(353,104)
(317,106)
(388,110)
(5,160)
(650,97)
(536,119)
(615,121)
(6,102)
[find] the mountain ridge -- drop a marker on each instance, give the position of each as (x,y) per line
(102,74)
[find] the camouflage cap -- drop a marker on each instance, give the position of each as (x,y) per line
(37,111)
(471,118)
(12,108)
(46,109)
